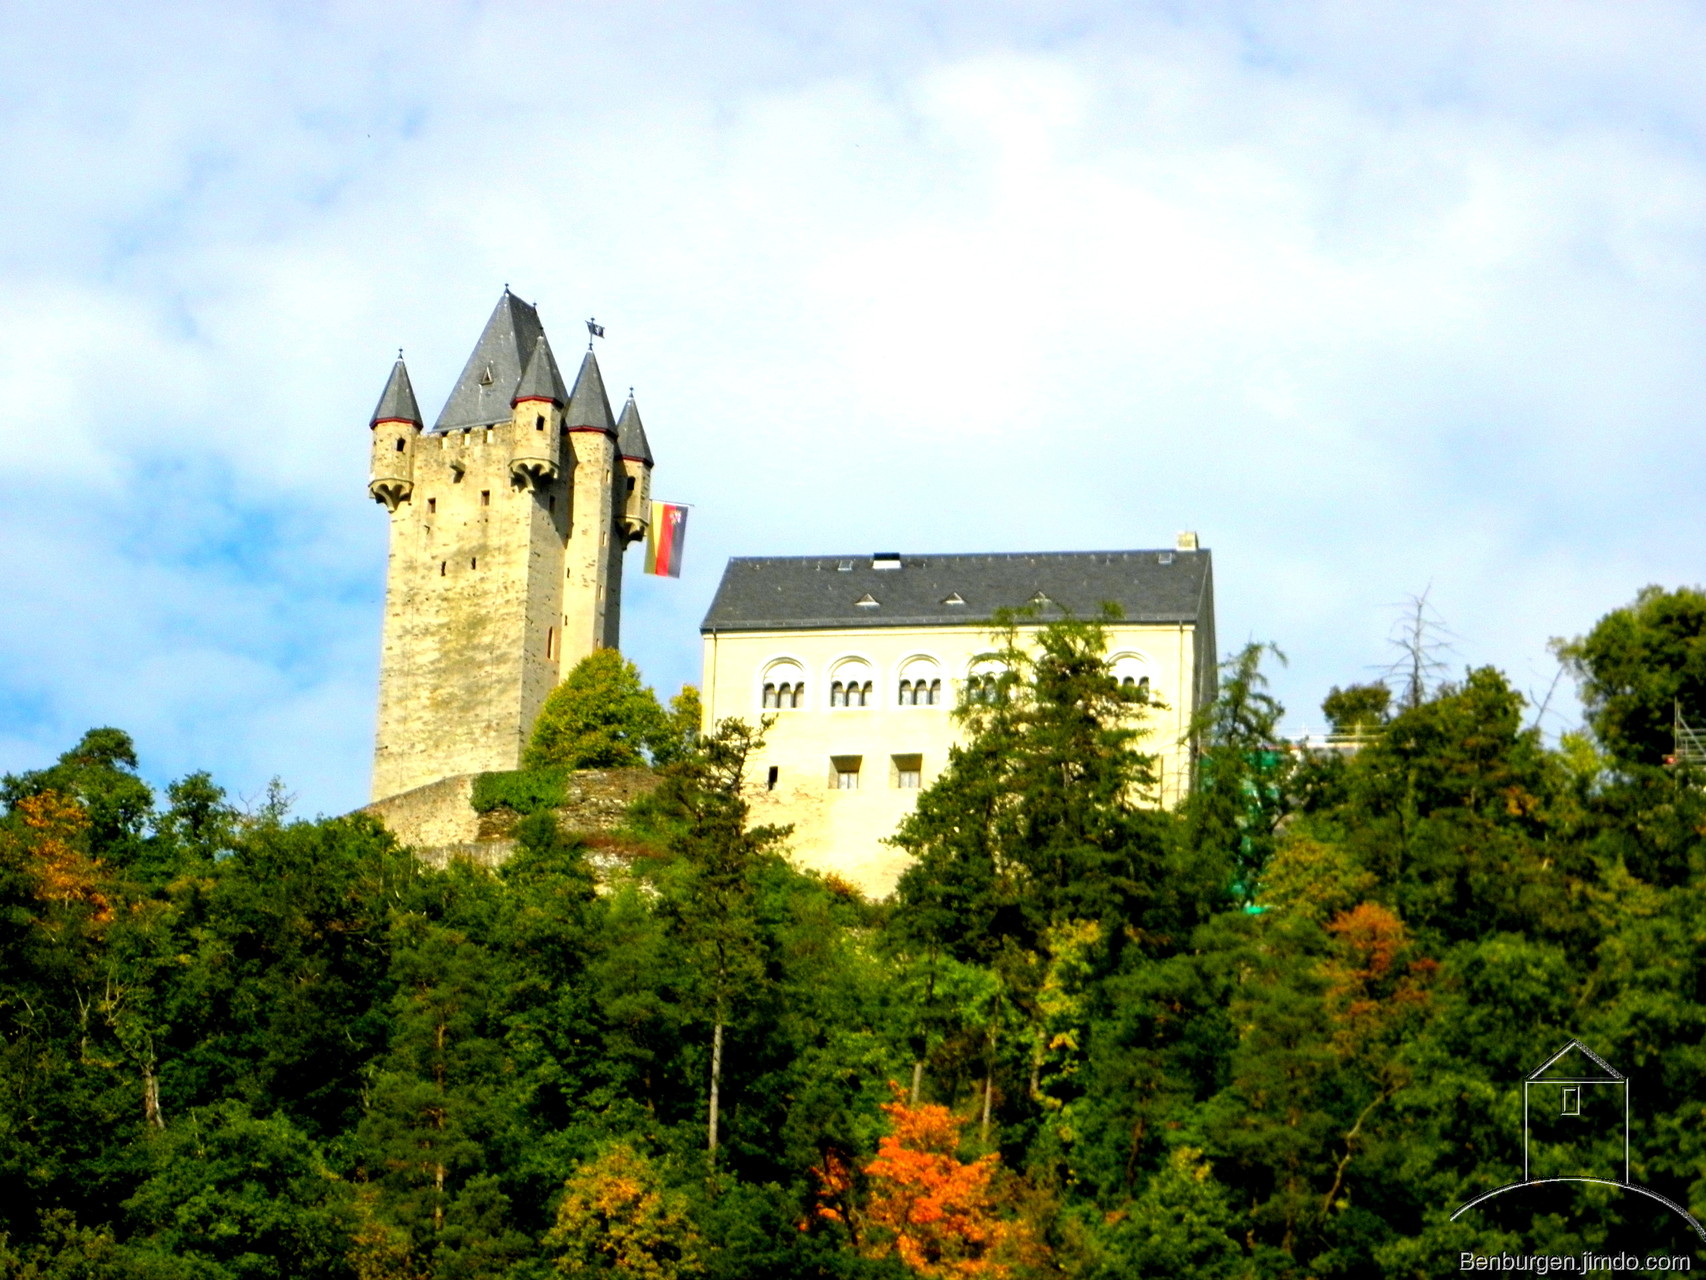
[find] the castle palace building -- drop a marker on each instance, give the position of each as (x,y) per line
(509,518)
(861,660)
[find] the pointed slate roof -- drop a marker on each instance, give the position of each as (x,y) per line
(631,434)
(540,380)
(397,404)
(588,405)
(485,392)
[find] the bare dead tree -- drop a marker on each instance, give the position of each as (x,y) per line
(1422,639)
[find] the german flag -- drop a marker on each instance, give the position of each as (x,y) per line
(668,530)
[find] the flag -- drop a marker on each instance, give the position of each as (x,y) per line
(664,536)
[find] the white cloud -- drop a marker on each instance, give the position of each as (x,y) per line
(1370,306)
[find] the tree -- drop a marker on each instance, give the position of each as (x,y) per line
(616,1216)
(937,1213)
(600,717)
(710,893)
(1040,815)
(1637,667)
(1357,708)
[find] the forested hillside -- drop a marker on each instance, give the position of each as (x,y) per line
(1278,1033)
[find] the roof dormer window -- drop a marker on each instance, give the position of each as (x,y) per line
(886,560)
(866,601)
(486,378)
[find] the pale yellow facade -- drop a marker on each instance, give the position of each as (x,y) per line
(801,776)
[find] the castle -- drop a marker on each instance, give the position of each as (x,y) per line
(509,518)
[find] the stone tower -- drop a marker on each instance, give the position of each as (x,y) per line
(508,523)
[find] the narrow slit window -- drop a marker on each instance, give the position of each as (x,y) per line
(399,444)
(432,505)
(771,777)
(443,567)
(473,562)
(550,642)
(539,423)
(485,497)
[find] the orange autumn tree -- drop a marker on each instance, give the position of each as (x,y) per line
(51,848)
(926,1205)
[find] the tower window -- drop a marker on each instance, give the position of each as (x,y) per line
(473,562)
(539,423)
(770,778)
(399,444)
(553,502)
(432,505)
(485,497)
(443,567)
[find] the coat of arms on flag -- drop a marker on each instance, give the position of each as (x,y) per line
(664,536)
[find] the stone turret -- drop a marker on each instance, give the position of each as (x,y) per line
(395,425)
(536,440)
(595,540)
(636,455)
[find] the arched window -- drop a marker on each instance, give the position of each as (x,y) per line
(916,677)
(852,678)
(781,685)
(1132,672)
(935,695)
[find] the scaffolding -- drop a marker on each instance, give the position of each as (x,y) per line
(1688,744)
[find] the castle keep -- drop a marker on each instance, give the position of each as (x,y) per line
(509,518)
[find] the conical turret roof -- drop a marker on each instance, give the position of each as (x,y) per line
(631,434)
(485,393)
(541,380)
(588,405)
(397,404)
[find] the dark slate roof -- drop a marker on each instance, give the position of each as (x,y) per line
(485,392)
(397,403)
(541,380)
(588,405)
(631,434)
(762,593)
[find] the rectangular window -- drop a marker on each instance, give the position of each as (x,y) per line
(844,772)
(432,505)
(1572,1100)
(770,778)
(908,772)
(485,497)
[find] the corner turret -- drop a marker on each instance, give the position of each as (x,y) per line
(636,455)
(536,438)
(396,423)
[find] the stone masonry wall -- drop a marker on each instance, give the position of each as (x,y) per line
(439,822)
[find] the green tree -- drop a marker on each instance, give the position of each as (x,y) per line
(617,1217)
(1357,708)
(600,717)
(710,892)
(1637,666)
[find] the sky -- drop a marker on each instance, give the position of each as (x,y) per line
(1378,299)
